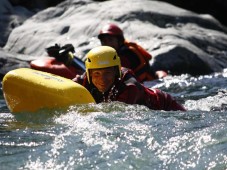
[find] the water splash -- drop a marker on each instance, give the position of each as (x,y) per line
(120,136)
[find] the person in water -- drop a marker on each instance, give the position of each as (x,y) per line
(132,55)
(107,81)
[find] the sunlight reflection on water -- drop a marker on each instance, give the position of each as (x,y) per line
(120,136)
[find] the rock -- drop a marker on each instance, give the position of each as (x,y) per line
(36,5)
(179,40)
(11,17)
(216,8)
(9,61)
(15,12)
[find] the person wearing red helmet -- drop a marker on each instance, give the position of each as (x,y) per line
(132,55)
(107,81)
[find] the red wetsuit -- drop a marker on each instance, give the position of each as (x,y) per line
(130,91)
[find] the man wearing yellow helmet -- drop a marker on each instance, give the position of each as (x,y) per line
(108,81)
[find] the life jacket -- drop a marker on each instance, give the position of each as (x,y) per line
(142,71)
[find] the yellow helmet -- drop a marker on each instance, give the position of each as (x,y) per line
(102,57)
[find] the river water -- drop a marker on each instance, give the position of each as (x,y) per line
(119,136)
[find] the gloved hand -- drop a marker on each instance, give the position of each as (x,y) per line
(63,54)
(53,51)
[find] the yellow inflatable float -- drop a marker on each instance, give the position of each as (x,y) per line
(28,90)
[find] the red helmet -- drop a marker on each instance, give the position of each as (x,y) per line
(111,29)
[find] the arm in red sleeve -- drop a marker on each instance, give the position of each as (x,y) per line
(166,102)
(130,95)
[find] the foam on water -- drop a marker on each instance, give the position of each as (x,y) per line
(121,136)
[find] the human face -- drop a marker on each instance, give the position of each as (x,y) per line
(111,41)
(103,79)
